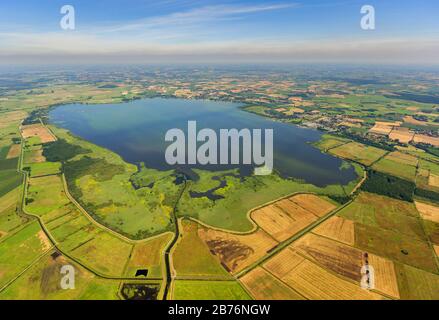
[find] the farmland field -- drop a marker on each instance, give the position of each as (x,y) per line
(313,282)
(358,152)
(263,286)
(89,178)
(284,218)
(208,290)
(399,165)
(237,251)
(42,281)
(202,262)
(33,244)
(339,229)
(148,255)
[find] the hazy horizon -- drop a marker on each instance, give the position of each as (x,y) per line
(221,32)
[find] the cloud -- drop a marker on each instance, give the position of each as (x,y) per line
(207,14)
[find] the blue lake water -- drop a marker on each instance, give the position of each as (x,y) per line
(136,131)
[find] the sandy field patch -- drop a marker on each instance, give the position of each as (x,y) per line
(37,130)
(433,180)
(384,128)
(436,249)
(338,229)
(314,204)
(422,138)
(237,252)
(14,151)
(403,135)
(428,211)
(381,130)
(45,242)
(411,120)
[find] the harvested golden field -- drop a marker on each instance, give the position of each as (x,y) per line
(339,258)
(263,286)
(433,180)
(358,152)
(286,217)
(403,135)
(278,224)
(315,283)
(385,276)
(274,221)
(14,151)
(237,252)
(293,210)
(37,130)
(428,211)
(422,138)
(338,229)
(382,128)
(313,204)
(283,263)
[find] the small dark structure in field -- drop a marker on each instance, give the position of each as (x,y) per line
(142,272)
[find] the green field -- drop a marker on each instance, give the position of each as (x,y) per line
(45,194)
(148,255)
(105,253)
(10,179)
(399,165)
(9,219)
(390,228)
(43,169)
(208,290)
(415,284)
(201,261)
(32,245)
(328,142)
(361,153)
(42,282)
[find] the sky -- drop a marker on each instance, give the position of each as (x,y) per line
(219,31)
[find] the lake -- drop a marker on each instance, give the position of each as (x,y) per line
(136,131)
